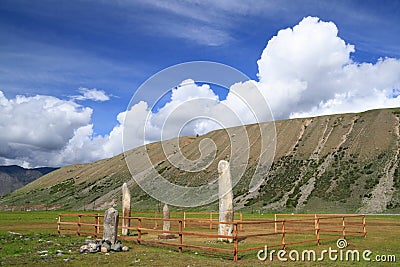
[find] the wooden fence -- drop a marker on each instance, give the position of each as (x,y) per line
(347,228)
(212,219)
(276,233)
(86,224)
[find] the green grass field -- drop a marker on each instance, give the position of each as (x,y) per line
(31,239)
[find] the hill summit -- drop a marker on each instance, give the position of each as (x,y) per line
(336,163)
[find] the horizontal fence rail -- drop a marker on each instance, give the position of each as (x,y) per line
(86,224)
(198,233)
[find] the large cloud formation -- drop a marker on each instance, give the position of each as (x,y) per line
(308,71)
(303,71)
(47,131)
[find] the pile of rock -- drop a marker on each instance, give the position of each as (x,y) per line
(104,246)
(109,242)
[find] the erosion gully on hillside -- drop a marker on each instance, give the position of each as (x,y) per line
(342,163)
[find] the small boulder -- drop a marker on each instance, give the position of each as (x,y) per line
(116,247)
(93,247)
(125,249)
(84,248)
(106,244)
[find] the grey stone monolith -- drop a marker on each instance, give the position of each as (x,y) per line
(166,224)
(225,201)
(126,208)
(110,230)
(166,216)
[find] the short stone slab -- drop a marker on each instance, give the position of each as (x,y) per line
(110,229)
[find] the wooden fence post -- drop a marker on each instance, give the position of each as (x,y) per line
(139,230)
(235,242)
(155,221)
(241,220)
(180,235)
(344,228)
(317,230)
(184,219)
(276,224)
(98,223)
(364,229)
(315,223)
(211,220)
(283,235)
(95,225)
(59,224)
(79,225)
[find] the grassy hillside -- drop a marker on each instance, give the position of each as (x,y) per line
(336,163)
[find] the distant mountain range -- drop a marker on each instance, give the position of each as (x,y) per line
(14,177)
(342,163)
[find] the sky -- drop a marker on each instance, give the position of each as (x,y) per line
(68,69)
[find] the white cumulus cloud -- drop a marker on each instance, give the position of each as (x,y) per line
(48,131)
(194,109)
(308,71)
(91,94)
(303,71)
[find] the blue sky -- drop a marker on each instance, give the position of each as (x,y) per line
(56,48)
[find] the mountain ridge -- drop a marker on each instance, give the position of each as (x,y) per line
(13,177)
(335,163)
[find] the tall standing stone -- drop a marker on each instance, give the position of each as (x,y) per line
(225,200)
(126,208)
(166,216)
(110,231)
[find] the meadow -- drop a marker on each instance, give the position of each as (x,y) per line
(31,239)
